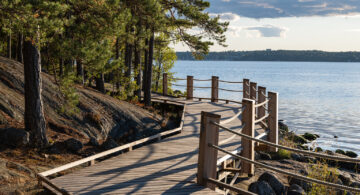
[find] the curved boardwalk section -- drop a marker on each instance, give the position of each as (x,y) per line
(165,167)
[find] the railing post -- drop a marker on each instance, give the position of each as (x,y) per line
(261,98)
(246,88)
(190,87)
(273,135)
(165,84)
(253,88)
(214,89)
(207,158)
(248,120)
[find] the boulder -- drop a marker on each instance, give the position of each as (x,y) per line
(263,155)
(355,184)
(305,185)
(345,178)
(274,182)
(261,188)
(339,151)
(310,137)
(351,154)
(297,157)
(295,189)
(14,137)
(73,145)
(318,149)
(283,126)
(299,139)
(110,143)
(94,142)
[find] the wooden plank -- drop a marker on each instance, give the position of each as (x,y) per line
(162,167)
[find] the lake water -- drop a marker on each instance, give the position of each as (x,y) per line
(318,97)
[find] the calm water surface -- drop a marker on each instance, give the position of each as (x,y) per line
(318,97)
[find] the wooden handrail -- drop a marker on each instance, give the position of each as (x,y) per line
(114,150)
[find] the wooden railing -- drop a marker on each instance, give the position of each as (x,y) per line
(45,182)
(257,109)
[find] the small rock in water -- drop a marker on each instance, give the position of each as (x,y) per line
(318,149)
(310,137)
(329,152)
(261,188)
(339,151)
(335,136)
(274,182)
(351,154)
(283,126)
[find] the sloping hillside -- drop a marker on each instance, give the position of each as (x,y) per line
(99,117)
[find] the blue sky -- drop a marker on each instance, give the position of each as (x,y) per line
(330,25)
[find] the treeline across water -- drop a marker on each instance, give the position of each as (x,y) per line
(276,55)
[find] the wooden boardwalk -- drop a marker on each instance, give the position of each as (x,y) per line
(165,167)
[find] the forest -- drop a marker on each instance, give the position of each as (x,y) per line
(118,47)
(276,55)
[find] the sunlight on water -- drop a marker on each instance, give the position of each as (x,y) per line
(318,97)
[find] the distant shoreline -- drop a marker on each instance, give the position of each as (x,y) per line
(276,55)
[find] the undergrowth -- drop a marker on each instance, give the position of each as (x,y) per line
(71,97)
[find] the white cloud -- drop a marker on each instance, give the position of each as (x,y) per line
(266,31)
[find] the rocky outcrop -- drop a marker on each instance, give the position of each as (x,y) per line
(98,116)
(14,137)
(261,188)
(273,181)
(73,145)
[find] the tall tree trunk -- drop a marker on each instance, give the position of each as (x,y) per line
(117,56)
(68,66)
(80,71)
(9,48)
(100,84)
(20,56)
(137,67)
(128,59)
(34,114)
(147,92)
(61,67)
(158,74)
(146,56)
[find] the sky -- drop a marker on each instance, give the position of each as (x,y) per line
(329,25)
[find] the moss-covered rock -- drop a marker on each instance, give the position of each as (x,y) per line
(329,152)
(283,126)
(310,137)
(351,154)
(318,149)
(339,151)
(299,139)
(280,155)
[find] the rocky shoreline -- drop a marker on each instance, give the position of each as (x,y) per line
(266,182)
